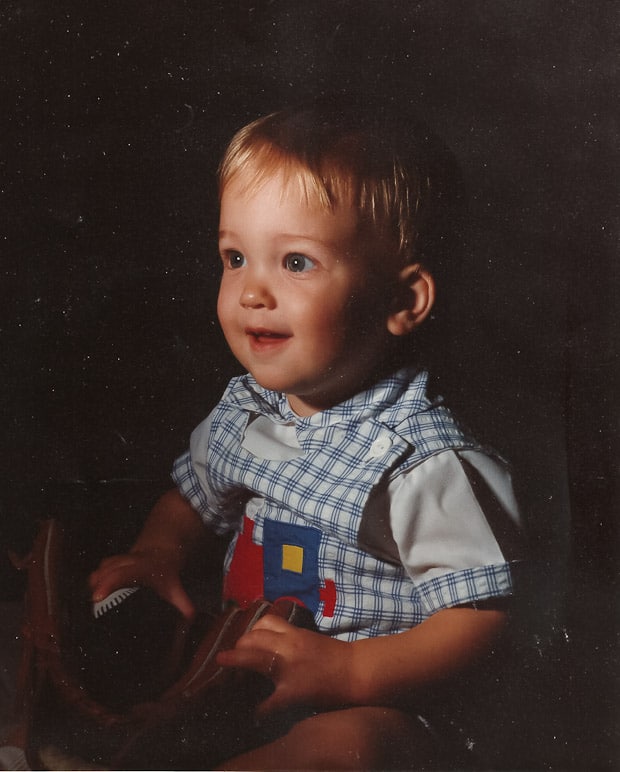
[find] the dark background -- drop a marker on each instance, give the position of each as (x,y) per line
(113,119)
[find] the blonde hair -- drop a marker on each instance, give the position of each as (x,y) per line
(334,156)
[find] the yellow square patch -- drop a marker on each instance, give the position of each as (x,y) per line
(292,558)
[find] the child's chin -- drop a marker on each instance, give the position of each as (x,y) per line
(270,378)
(271,383)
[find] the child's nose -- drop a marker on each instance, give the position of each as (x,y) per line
(256,294)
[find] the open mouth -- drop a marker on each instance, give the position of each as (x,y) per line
(266,337)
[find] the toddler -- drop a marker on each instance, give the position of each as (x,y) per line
(344,485)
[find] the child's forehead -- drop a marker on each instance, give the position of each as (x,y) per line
(293,181)
(280,203)
(329,193)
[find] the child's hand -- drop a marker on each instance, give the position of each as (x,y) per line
(152,569)
(307,668)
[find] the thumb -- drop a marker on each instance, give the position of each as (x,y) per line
(102,587)
(176,595)
(274,703)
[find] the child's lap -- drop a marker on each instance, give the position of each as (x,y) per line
(349,738)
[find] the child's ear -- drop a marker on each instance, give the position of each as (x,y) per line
(414,299)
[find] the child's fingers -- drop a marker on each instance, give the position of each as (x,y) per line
(101,587)
(176,595)
(111,574)
(257,638)
(125,572)
(268,632)
(275,702)
(259,660)
(273,623)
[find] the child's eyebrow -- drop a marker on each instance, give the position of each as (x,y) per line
(223,234)
(303,237)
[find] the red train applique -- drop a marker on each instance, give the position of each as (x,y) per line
(285,566)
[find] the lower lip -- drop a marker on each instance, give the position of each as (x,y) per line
(266,343)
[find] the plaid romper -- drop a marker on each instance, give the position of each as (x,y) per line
(297,516)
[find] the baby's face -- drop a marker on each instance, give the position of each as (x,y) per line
(301,303)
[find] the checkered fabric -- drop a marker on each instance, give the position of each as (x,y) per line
(346,452)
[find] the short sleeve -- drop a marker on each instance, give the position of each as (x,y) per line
(455,523)
(189,474)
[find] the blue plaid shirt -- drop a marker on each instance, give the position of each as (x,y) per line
(306,509)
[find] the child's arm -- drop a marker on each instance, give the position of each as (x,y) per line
(171,534)
(309,668)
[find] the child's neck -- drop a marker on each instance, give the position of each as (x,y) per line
(307,405)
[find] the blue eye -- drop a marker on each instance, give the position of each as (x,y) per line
(234,259)
(298,263)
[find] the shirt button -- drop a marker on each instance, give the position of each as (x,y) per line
(380,447)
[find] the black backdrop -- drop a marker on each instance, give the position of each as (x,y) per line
(113,118)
